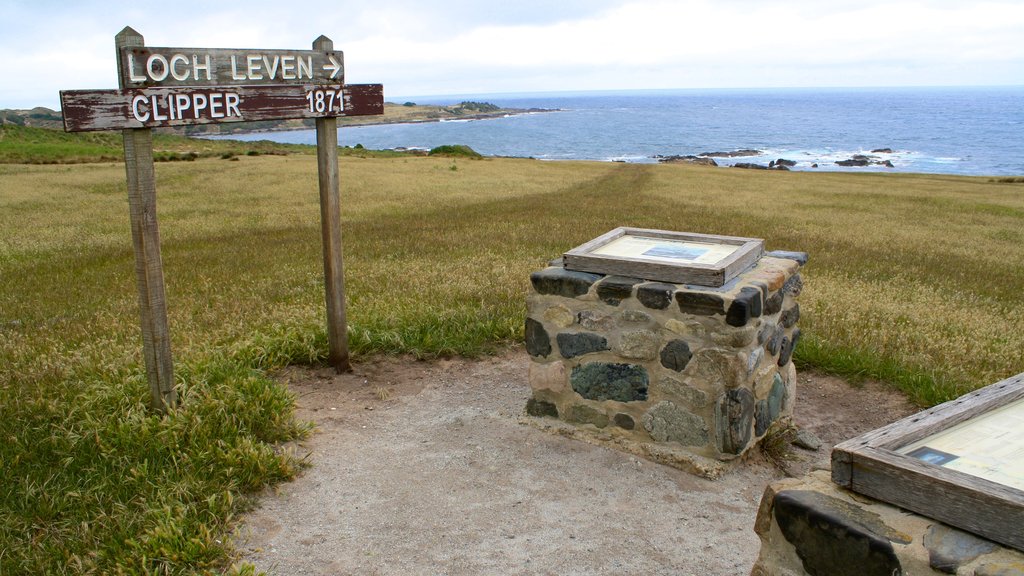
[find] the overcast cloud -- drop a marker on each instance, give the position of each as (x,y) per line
(420,48)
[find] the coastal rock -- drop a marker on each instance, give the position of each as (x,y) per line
(750,166)
(857,160)
(733,154)
(864,160)
(882,151)
(687,159)
(783,162)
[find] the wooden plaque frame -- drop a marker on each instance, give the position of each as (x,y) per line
(871,465)
(747,252)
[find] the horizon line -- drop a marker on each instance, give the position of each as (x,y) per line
(708,89)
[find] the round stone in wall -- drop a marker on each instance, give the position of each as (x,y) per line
(572,344)
(666,422)
(639,344)
(624,421)
(560,316)
(718,367)
(586,415)
(610,381)
(676,355)
(671,387)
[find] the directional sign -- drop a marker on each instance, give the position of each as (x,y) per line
(180,86)
(148,67)
(87,110)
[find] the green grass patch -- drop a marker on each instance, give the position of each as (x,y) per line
(913,279)
(28,145)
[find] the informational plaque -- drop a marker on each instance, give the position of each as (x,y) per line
(989,446)
(679,257)
(961,462)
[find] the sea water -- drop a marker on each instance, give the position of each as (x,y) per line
(976,131)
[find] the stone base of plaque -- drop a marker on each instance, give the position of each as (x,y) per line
(811,526)
(685,375)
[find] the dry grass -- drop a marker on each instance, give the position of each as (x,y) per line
(915,279)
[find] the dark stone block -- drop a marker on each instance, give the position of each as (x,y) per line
(763,288)
(735,420)
(615,289)
(790,316)
(788,346)
(948,548)
(773,303)
(776,398)
(541,408)
(745,306)
(655,295)
(700,303)
(624,421)
(676,355)
(608,381)
(562,282)
(572,344)
(769,409)
(833,537)
(776,334)
(762,420)
(793,286)
(800,257)
(538,343)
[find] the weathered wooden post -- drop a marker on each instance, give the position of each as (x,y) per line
(161,87)
(330,227)
(149,268)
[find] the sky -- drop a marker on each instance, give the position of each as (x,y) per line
(458,47)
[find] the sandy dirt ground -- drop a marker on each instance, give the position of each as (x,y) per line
(427,468)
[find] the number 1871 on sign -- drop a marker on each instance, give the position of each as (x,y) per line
(324,100)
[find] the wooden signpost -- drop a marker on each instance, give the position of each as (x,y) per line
(160,87)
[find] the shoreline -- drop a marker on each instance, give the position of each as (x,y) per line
(342,123)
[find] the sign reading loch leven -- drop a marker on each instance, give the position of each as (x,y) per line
(143,67)
(162,87)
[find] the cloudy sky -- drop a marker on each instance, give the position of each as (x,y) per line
(418,48)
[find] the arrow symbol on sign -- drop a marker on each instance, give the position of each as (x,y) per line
(334,66)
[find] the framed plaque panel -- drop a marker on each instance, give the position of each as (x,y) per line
(677,257)
(961,462)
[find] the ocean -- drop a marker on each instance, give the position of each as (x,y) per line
(972,131)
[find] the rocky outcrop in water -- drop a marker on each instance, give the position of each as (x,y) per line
(733,154)
(864,160)
(688,159)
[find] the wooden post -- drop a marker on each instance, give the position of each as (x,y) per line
(149,272)
(330,224)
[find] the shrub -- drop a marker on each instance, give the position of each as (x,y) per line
(455,150)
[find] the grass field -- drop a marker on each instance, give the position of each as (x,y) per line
(913,278)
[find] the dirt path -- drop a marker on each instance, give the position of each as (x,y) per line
(424,468)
